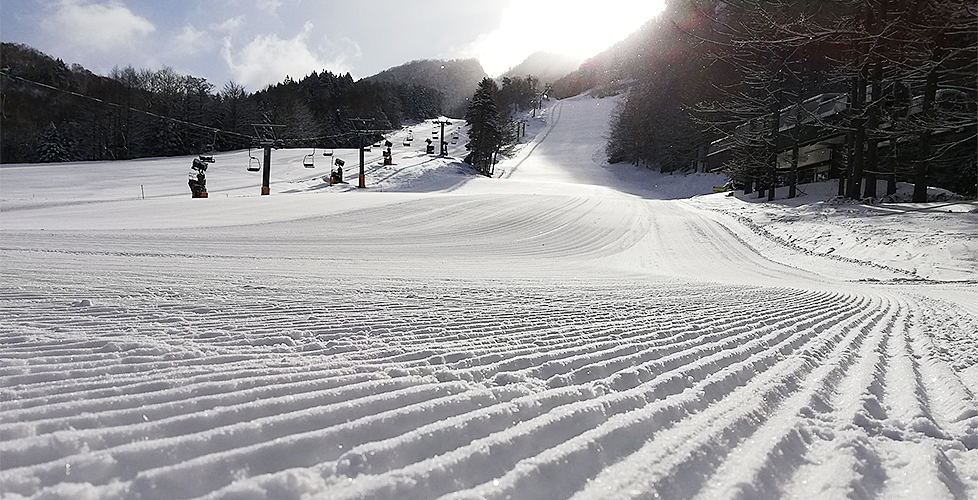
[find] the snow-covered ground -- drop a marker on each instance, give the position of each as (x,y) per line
(564,329)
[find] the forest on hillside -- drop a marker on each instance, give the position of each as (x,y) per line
(898,77)
(456,79)
(53,112)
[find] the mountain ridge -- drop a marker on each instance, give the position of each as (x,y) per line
(456,79)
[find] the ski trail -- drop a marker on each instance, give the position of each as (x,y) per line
(523,338)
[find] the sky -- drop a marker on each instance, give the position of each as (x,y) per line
(260,42)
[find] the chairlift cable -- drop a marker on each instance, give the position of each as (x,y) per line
(129,108)
(251,138)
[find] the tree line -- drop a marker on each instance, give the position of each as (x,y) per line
(892,80)
(456,79)
(52,112)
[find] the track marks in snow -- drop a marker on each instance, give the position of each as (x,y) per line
(478,390)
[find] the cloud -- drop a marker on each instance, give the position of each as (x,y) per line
(271,6)
(97,26)
(268,59)
(192,41)
(555,26)
(228,26)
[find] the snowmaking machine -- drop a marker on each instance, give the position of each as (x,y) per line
(198,180)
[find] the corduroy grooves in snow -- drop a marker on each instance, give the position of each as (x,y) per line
(565,329)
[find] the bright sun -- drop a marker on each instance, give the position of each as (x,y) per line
(575,28)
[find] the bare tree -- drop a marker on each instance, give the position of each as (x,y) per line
(907,66)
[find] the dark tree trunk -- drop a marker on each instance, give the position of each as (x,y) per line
(858,142)
(858,124)
(891,187)
(872,160)
(836,169)
(850,138)
(793,175)
(923,160)
(795,136)
(920,169)
(775,132)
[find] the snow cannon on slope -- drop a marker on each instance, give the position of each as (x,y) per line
(198,177)
(336,176)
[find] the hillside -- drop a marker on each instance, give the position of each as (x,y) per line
(456,79)
(654,53)
(545,66)
(56,112)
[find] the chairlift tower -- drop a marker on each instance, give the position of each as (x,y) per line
(266,139)
(360,131)
(362,183)
(443,149)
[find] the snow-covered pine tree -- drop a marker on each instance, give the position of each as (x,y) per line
(53,146)
(485,130)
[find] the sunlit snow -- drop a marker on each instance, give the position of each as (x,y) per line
(563,329)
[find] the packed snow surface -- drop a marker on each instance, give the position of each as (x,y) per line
(562,329)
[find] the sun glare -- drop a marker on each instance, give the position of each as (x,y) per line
(575,28)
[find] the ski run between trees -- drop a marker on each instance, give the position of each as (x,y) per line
(571,329)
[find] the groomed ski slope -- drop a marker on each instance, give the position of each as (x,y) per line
(562,330)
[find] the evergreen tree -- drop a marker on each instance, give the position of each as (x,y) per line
(485,129)
(668,72)
(53,146)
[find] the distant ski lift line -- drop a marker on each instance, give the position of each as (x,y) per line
(129,108)
(265,132)
(250,138)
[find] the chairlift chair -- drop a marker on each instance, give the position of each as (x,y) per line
(212,147)
(254,164)
(328,153)
(309,161)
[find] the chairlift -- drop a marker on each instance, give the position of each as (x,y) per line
(213,145)
(328,153)
(254,164)
(309,161)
